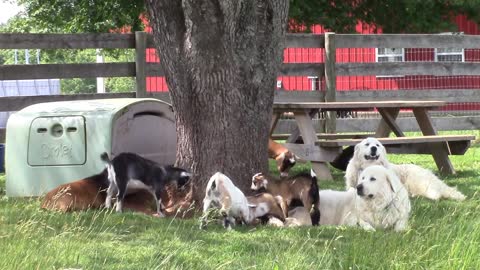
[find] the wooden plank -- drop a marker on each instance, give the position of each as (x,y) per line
(407,68)
(154,69)
(304,41)
(327,136)
(330,80)
(399,140)
(387,124)
(16,103)
(273,122)
(66,41)
(298,96)
(449,95)
(362,124)
(61,71)
(312,152)
(439,150)
(164,96)
(305,125)
(140,62)
(457,147)
(407,41)
(301,69)
(367,105)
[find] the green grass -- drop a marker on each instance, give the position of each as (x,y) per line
(442,235)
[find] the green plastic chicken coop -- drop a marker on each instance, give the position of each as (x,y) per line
(50,144)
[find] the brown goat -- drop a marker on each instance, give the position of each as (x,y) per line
(300,187)
(89,193)
(283,157)
(274,206)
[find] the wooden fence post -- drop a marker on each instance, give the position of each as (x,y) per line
(330,80)
(140,64)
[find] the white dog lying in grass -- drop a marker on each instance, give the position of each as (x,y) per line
(417,180)
(378,201)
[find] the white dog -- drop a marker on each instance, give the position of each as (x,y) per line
(378,201)
(417,180)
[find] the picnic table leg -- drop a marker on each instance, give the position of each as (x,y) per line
(295,132)
(388,121)
(274,122)
(389,115)
(305,125)
(439,150)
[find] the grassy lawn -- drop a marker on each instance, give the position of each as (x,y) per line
(442,235)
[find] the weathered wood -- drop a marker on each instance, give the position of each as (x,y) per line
(407,41)
(362,124)
(367,105)
(330,80)
(165,96)
(66,41)
(154,69)
(274,121)
(298,96)
(327,136)
(449,95)
(399,140)
(421,148)
(56,71)
(140,62)
(312,152)
(304,41)
(305,126)
(16,103)
(406,68)
(301,69)
(387,124)
(439,150)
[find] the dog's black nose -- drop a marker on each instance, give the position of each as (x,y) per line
(373,149)
(360,190)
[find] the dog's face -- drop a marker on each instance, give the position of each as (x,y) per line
(285,161)
(370,150)
(377,185)
(259,181)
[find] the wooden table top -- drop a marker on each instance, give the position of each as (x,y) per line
(357,105)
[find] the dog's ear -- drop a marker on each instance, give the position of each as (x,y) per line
(393,180)
(356,153)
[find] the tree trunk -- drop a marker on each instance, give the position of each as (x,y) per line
(221,60)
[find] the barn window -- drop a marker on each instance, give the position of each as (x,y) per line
(450,54)
(389,55)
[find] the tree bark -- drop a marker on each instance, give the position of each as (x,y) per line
(221,60)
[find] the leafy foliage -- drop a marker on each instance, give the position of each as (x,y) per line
(391,16)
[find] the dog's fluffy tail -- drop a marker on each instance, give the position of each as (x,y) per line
(315,196)
(453,193)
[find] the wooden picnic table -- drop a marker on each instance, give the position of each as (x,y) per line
(321,151)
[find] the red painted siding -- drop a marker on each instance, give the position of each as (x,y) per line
(350,83)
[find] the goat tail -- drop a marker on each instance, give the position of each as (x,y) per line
(105,158)
(315,197)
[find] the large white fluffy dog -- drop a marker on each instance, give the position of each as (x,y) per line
(417,180)
(378,201)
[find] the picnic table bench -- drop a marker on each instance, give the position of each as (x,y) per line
(327,147)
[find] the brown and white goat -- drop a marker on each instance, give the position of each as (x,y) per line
(283,157)
(234,205)
(266,206)
(301,187)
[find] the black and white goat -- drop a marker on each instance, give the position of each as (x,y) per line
(129,171)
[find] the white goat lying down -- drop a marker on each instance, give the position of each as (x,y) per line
(233,205)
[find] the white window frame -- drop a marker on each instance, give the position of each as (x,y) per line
(462,53)
(390,55)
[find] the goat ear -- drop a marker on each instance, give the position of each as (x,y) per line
(393,181)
